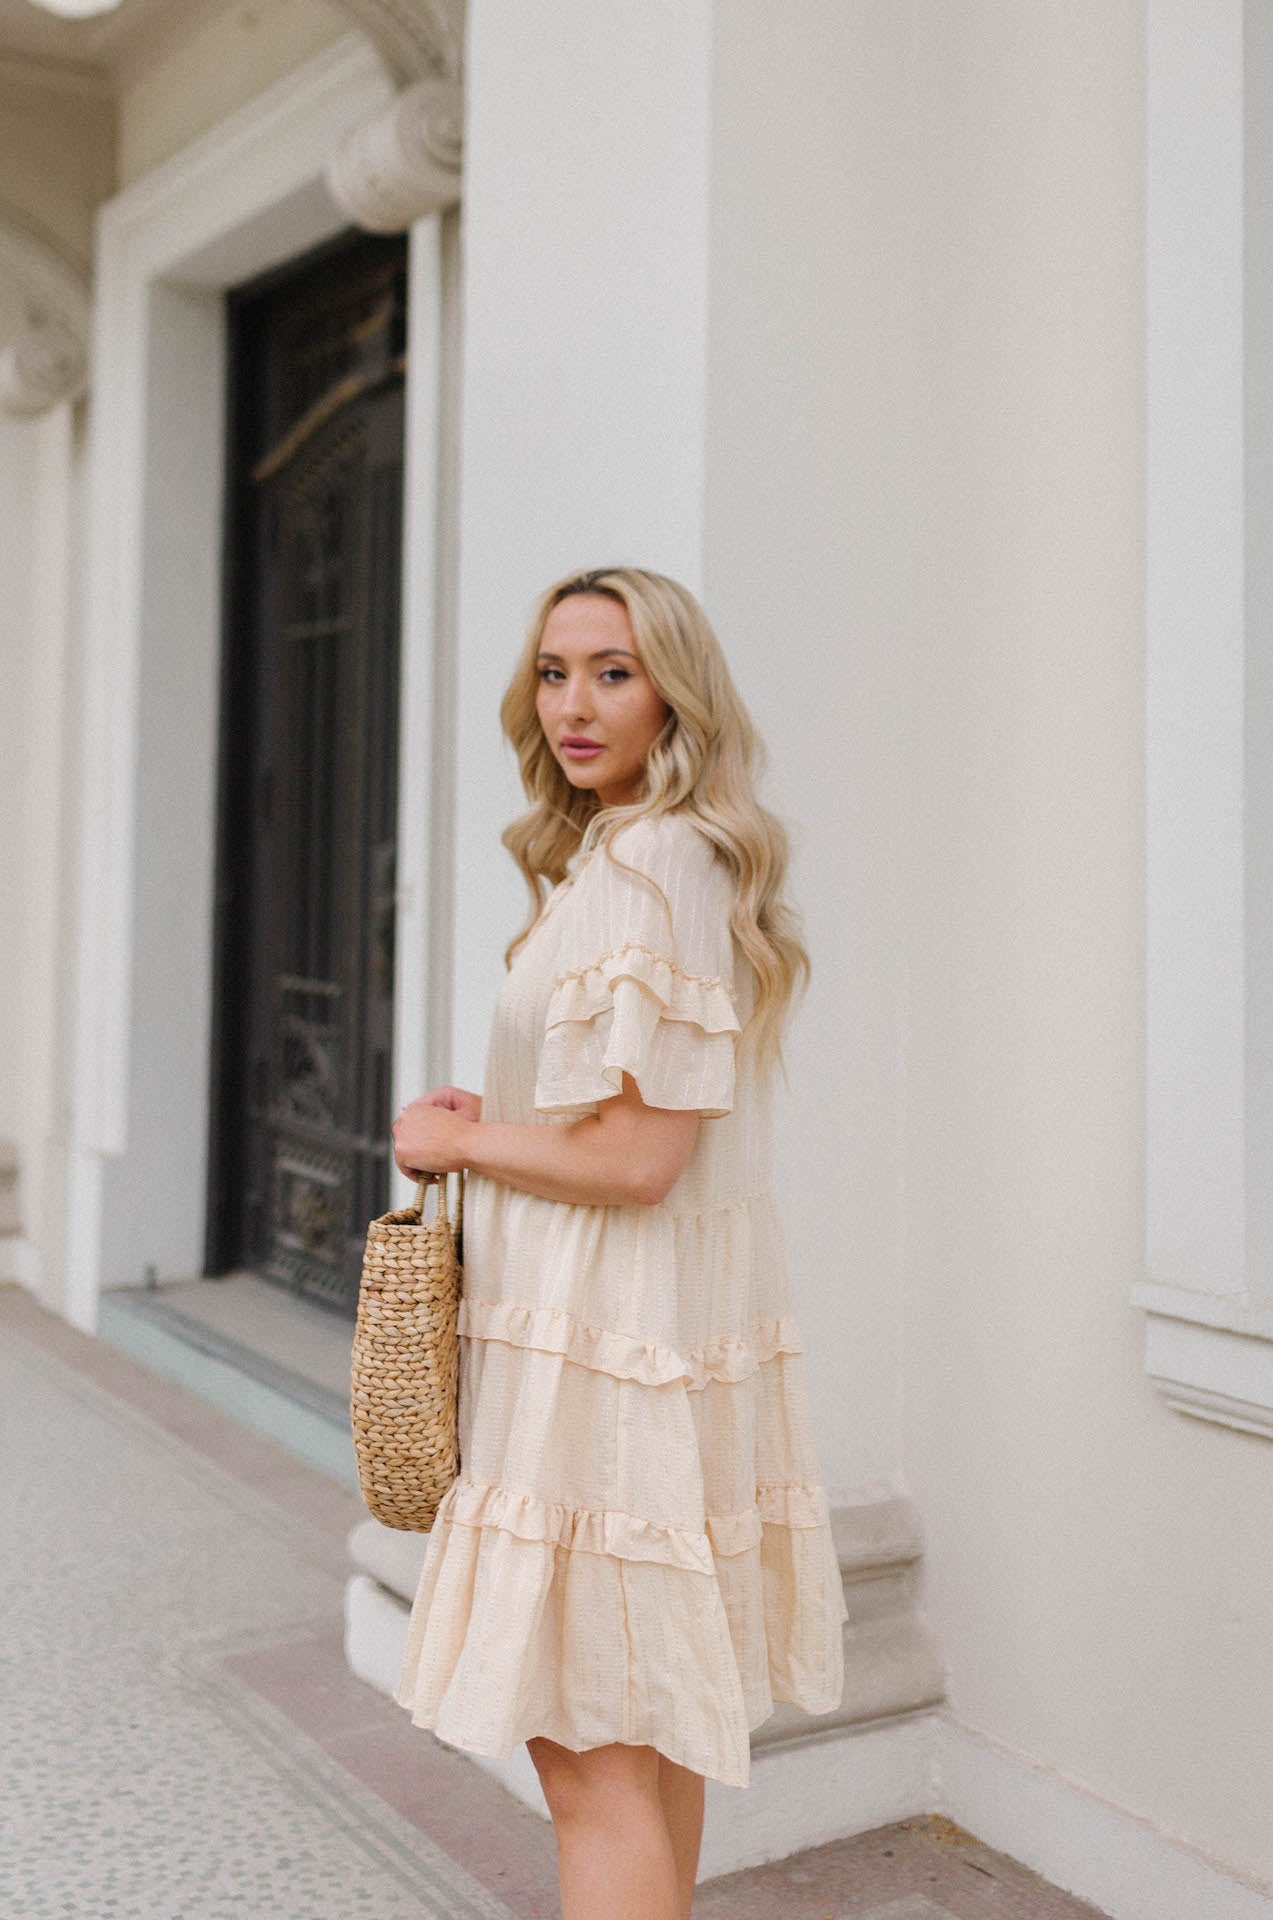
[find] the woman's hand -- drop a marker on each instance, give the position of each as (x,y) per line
(431,1135)
(458,1099)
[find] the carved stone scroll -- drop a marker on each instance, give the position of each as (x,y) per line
(415,38)
(47,361)
(406,162)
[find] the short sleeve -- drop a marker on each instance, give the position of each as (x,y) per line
(645,977)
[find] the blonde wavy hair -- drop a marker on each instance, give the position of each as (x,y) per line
(704,763)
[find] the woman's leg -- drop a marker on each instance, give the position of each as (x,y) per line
(682,1795)
(615,1856)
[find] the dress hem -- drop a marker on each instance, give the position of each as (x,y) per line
(505,1750)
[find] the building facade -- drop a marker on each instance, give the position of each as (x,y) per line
(925,343)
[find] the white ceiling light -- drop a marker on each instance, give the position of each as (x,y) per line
(77,9)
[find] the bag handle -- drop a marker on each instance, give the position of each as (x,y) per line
(440,1181)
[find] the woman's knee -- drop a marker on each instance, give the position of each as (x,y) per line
(603,1786)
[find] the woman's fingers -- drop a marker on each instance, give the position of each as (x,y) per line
(459,1100)
(428,1137)
(454,1099)
(412,1173)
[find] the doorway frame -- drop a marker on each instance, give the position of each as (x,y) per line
(237,954)
(248,195)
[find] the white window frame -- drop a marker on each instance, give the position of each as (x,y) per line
(1208,1293)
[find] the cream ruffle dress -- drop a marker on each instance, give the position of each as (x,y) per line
(638,1547)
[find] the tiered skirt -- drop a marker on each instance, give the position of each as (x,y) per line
(638,1548)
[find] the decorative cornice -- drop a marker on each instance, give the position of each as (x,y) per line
(48,360)
(415,38)
(403,164)
(407,161)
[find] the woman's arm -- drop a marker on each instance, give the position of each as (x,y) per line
(624,1154)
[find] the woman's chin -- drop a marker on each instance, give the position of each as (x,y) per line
(592,780)
(585,776)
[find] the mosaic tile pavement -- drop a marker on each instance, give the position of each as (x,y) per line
(137,1779)
(182,1740)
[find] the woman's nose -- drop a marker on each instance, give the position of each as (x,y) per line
(577,702)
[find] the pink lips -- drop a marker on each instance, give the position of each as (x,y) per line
(580,749)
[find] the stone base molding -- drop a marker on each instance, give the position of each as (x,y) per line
(891,1665)
(1126,1865)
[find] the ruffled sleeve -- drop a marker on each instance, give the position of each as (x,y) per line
(645,977)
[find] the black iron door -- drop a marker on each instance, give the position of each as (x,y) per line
(302,1042)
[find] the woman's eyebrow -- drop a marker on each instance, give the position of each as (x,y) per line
(602,655)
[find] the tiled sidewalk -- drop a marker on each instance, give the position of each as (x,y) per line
(184,1741)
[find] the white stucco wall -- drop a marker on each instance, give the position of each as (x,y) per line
(1099,1568)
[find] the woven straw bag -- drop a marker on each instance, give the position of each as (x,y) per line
(404,1368)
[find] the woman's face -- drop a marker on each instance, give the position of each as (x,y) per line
(593,689)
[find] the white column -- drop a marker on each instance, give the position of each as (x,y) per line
(585,308)
(36,594)
(18,449)
(685,296)
(807,577)
(686,327)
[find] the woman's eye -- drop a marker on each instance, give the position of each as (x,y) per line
(555,673)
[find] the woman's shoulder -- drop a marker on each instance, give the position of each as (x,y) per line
(665,842)
(665,882)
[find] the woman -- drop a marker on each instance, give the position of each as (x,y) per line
(636,1560)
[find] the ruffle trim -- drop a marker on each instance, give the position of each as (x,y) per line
(697,997)
(552,1330)
(636,1011)
(628,1536)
